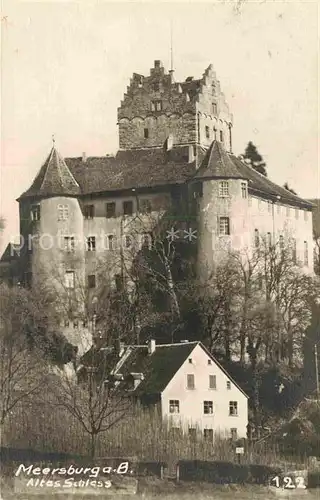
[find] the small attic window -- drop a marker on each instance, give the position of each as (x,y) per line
(190,360)
(209,362)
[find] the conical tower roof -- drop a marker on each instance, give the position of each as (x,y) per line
(53,179)
(218,164)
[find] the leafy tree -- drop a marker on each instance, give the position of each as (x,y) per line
(255,159)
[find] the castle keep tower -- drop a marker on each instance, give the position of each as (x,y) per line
(156,107)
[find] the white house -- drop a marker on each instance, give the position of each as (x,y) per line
(192,389)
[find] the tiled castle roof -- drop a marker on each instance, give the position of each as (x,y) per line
(150,167)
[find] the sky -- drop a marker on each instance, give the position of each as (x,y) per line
(66,66)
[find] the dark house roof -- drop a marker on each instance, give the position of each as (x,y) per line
(160,367)
(54,178)
(148,168)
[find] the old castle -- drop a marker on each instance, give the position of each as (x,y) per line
(175,156)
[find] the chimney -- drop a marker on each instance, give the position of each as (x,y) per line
(191,153)
(84,157)
(151,346)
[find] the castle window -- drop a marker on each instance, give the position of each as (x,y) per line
(69,279)
(294,251)
(224,226)
(212,382)
(174,406)
(158,105)
(110,240)
(145,206)
(223,189)
(233,408)
(208,434)
(110,210)
(256,238)
(89,211)
(127,241)
(281,242)
(69,243)
(234,433)
(207,132)
(146,133)
(91,281)
(221,136)
(269,241)
(208,407)
(118,282)
(305,253)
(214,108)
(35,212)
(244,190)
(153,106)
(156,86)
(91,244)
(63,212)
(190,381)
(127,207)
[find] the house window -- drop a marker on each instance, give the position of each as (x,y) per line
(63,212)
(110,210)
(269,241)
(224,226)
(190,361)
(228,384)
(207,132)
(256,238)
(288,211)
(192,433)
(190,381)
(233,408)
(158,105)
(281,242)
(88,211)
(278,209)
(296,213)
(221,136)
(111,241)
(269,206)
(223,189)
(35,212)
(145,206)
(234,433)
(214,108)
(91,244)
(174,406)
(208,407)
(212,382)
(91,281)
(305,253)
(305,215)
(146,133)
(244,191)
(69,279)
(208,434)
(153,106)
(127,207)
(69,243)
